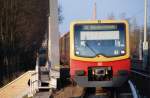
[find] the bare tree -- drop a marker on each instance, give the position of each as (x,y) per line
(23,24)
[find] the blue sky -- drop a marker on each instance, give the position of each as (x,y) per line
(82,9)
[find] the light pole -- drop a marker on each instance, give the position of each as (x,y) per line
(94,17)
(145,42)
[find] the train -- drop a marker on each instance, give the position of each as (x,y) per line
(97,52)
(64,50)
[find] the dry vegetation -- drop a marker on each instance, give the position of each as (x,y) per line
(23,24)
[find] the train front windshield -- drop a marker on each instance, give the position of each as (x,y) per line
(92,40)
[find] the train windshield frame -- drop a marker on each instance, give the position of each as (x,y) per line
(91,40)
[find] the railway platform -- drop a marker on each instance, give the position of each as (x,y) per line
(17,88)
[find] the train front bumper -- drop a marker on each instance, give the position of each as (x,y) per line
(116,81)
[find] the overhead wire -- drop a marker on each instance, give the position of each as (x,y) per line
(137,13)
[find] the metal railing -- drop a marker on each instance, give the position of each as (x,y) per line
(34,80)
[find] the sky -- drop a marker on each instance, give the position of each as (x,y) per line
(82,10)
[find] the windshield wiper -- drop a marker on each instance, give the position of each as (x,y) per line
(91,48)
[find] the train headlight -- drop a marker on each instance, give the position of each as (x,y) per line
(80,72)
(122,52)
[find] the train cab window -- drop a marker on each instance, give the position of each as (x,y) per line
(100,39)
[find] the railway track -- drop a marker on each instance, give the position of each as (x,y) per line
(138,78)
(69,90)
(128,90)
(141,73)
(123,92)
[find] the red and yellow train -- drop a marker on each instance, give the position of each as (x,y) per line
(99,52)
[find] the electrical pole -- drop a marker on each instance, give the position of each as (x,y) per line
(145,42)
(53,42)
